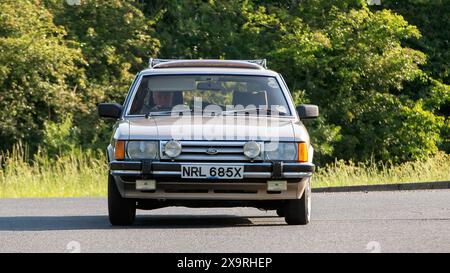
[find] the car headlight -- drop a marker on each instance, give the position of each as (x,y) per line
(142,149)
(280,151)
(172,148)
(252,149)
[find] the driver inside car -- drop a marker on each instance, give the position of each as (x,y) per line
(162,100)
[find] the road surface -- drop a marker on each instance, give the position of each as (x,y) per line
(410,221)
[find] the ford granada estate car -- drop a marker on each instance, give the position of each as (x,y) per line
(209,133)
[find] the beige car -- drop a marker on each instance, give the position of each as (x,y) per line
(209,133)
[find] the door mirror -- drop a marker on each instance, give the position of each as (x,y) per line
(308,111)
(109,110)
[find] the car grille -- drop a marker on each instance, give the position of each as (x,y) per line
(209,151)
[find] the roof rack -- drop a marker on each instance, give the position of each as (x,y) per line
(261,62)
(156,63)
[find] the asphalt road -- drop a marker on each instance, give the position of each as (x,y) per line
(413,221)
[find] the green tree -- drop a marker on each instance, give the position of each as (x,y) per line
(60,138)
(198,29)
(432,17)
(40,74)
(114,36)
(116,40)
(356,67)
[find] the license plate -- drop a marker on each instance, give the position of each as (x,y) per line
(204,171)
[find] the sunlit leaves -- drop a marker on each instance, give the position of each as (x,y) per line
(39,72)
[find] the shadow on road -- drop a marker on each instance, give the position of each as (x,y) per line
(45,223)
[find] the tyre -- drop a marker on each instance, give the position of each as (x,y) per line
(280,211)
(298,211)
(122,211)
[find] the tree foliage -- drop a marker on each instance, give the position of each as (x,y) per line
(432,17)
(355,68)
(116,40)
(39,71)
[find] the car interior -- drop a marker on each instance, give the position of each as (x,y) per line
(242,95)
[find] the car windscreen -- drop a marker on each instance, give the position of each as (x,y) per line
(224,94)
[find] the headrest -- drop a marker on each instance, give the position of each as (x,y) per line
(256,98)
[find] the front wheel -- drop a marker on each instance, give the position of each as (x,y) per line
(298,211)
(280,212)
(122,211)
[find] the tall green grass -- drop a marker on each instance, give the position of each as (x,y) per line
(81,173)
(84,173)
(340,173)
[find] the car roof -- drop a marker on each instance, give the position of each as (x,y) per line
(208,66)
(209,70)
(161,63)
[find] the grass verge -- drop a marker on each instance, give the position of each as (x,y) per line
(340,173)
(84,173)
(79,174)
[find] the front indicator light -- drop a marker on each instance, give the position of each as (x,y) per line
(302,152)
(120,150)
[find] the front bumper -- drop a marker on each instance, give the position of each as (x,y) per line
(170,185)
(172,170)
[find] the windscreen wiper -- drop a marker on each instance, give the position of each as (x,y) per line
(257,109)
(166,113)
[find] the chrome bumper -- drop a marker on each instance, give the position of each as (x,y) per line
(157,169)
